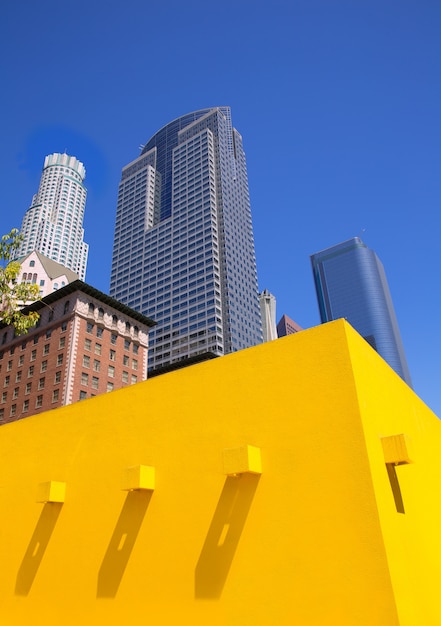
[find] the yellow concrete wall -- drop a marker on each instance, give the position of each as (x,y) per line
(314,540)
(413,539)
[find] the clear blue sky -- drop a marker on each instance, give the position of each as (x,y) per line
(338,102)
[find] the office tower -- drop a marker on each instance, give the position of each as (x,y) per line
(184,249)
(350,282)
(287,326)
(84,344)
(53,224)
(268,312)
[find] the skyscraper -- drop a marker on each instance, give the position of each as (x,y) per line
(53,224)
(350,282)
(184,248)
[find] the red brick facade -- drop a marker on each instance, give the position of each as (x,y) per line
(85,344)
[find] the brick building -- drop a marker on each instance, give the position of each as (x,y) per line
(85,343)
(287,326)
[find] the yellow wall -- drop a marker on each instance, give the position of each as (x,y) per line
(316,539)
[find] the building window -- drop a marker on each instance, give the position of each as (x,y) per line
(12,350)
(60,359)
(46,349)
(33,355)
(66,307)
(62,342)
(125,377)
(95,381)
(98,348)
(9,367)
(135,348)
(111,371)
(30,371)
(41,383)
(23,345)
(2,414)
(28,388)
(89,328)
(91,309)
(84,379)
(39,402)
(113,338)
(126,360)
(134,364)
(135,331)
(4,396)
(55,395)
(35,339)
(109,386)
(15,394)
(83,395)
(6,382)
(25,406)
(88,344)
(43,367)
(126,344)
(49,331)
(114,321)
(127,327)
(100,313)
(31,263)
(57,378)
(99,332)
(18,377)
(86,361)
(96,365)
(112,355)
(134,379)
(13,410)
(63,327)
(20,360)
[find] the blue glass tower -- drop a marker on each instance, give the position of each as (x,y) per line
(350,282)
(183,249)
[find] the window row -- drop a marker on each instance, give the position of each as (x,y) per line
(94,380)
(26,404)
(99,332)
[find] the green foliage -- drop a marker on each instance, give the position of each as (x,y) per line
(14,295)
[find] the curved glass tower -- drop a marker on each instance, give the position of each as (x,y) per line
(184,248)
(350,282)
(53,224)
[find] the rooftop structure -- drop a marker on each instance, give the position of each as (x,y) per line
(46,273)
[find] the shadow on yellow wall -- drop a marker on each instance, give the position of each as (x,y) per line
(37,547)
(224,534)
(122,542)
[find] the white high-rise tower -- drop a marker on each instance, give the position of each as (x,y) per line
(53,224)
(268,312)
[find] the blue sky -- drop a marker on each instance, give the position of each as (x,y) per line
(338,103)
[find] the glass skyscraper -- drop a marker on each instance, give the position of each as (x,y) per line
(53,224)
(350,282)
(183,250)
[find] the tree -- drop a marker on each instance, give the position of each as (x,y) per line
(14,295)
